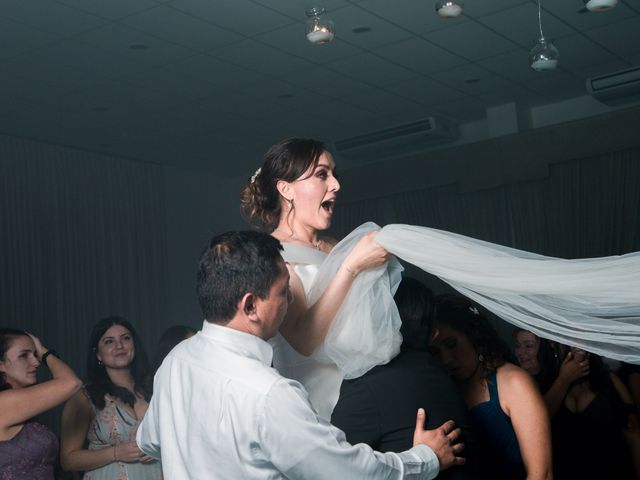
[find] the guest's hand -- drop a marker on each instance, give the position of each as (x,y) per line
(366,254)
(40,349)
(129,453)
(444,441)
(574,368)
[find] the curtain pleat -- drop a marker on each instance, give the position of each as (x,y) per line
(82,236)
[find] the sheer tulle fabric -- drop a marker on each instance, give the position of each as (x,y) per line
(366,330)
(590,303)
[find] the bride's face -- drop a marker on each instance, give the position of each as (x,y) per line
(314,195)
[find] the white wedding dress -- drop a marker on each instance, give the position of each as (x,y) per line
(593,303)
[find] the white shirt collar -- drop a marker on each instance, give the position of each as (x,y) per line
(245,343)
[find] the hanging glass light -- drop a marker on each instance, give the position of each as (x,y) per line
(319,26)
(449,8)
(544,55)
(600,5)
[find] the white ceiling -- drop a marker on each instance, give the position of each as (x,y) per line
(209,84)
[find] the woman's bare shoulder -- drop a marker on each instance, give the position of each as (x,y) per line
(513,376)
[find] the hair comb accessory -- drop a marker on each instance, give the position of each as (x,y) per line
(255,175)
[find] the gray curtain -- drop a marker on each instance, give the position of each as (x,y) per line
(586,207)
(82,236)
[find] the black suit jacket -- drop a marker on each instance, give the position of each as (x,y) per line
(380,407)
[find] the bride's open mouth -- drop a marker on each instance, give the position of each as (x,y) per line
(327,205)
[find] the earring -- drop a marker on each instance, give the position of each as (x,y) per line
(481,358)
(100,363)
(290,200)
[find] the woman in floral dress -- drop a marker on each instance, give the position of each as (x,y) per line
(106,413)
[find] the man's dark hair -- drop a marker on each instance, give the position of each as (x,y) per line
(233,264)
(414,301)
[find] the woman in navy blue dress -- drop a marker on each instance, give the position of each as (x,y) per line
(505,406)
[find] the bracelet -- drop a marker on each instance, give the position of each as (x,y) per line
(43,359)
(353,274)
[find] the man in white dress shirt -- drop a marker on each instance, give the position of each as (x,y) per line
(220,411)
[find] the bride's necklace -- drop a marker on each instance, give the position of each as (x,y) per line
(317,245)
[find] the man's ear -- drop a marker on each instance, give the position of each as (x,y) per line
(284,189)
(248,303)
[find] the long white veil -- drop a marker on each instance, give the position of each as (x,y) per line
(591,303)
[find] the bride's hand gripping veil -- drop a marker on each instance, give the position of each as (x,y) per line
(306,324)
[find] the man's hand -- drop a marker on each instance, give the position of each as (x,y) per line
(444,441)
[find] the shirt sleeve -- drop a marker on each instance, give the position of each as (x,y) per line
(148,434)
(302,445)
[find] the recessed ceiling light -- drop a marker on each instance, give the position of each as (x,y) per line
(361,29)
(600,5)
(138,46)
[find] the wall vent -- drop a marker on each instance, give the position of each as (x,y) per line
(616,88)
(397,141)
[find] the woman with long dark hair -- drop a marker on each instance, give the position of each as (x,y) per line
(29,450)
(596,433)
(505,406)
(106,413)
(542,360)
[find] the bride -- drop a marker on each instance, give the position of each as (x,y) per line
(293,195)
(343,320)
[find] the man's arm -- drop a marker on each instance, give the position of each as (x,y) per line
(302,445)
(148,434)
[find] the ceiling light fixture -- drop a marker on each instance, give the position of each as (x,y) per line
(449,8)
(319,26)
(544,55)
(600,5)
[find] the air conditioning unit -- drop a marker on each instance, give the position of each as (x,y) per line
(616,88)
(397,141)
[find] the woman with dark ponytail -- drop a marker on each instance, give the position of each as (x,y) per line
(27,448)
(106,413)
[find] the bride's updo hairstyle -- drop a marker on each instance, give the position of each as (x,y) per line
(288,161)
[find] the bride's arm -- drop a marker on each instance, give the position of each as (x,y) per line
(305,326)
